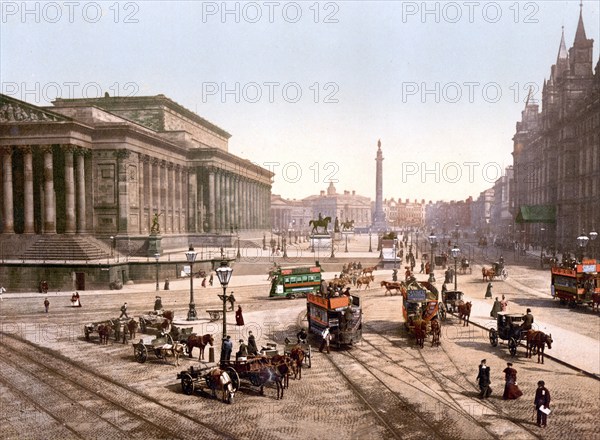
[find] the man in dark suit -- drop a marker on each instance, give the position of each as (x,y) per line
(542,400)
(527,321)
(484,380)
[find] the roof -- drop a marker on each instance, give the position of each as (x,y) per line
(536,214)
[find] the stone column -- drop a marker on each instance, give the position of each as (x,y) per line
(8,214)
(171,197)
(166,188)
(123,190)
(80,154)
(150,202)
(211,201)
(69,190)
(218,202)
(227,202)
(184,197)
(178,191)
(201,207)
(49,204)
(28,188)
(143,165)
(236,203)
(160,171)
(192,200)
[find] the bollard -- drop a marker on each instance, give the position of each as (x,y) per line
(211,354)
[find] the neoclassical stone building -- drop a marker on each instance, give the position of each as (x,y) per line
(104,167)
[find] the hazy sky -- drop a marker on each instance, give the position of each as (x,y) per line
(308,88)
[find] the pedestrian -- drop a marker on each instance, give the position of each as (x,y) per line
(231,300)
(483,379)
(301,336)
(166,287)
(210,280)
(252,348)
(124,311)
(422,267)
(495,309)
(503,304)
(226,348)
(204,282)
(242,353)
(158,304)
(46,304)
(431,279)
(488,291)
(326,335)
(542,404)
(511,390)
(239,318)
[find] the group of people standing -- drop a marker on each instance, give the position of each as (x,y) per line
(511,390)
(244,350)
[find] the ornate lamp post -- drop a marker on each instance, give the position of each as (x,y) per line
(417,245)
(370,247)
(224,275)
(582,241)
(156,257)
(283,240)
(395,251)
(238,256)
(432,240)
(542,230)
(112,246)
(346,249)
(264,241)
(332,246)
(455,251)
(190,255)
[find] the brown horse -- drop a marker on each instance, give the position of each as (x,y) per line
(297,354)
(104,332)
(130,328)
(285,366)
(391,285)
(464,312)
(420,332)
(200,342)
(488,274)
(538,340)
(436,332)
(366,280)
(218,379)
(369,270)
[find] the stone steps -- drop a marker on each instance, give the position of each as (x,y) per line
(66,247)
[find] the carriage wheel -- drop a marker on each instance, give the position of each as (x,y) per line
(235,378)
(493,337)
(504,274)
(442,312)
(512,346)
(140,353)
(187,384)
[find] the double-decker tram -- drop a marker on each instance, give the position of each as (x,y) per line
(293,282)
(342,314)
(579,284)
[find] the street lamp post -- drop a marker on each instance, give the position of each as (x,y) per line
(332,246)
(190,255)
(542,247)
(395,251)
(264,241)
(156,257)
(370,247)
(284,241)
(582,241)
(346,249)
(238,256)
(417,245)
(224,275)
(455,251)
(432,241)
(112,246)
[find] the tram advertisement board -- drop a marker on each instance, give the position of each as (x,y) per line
(416,295)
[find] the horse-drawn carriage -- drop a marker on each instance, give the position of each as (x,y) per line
(451,300)
(508,328)
(465,266)
(258,370)
(305,346)
(156,319)
(103,328)
(213,378)
(161,347)
(497,271)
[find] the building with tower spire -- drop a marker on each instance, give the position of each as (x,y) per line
(379,222)
(556,152)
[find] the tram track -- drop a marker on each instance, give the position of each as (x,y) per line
(85,399)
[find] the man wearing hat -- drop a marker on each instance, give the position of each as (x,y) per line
(542,403)
(527,321)
(242,353)
(484,380)
(252,348)
(226,348)
(488,291)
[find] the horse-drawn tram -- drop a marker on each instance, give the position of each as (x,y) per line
(293,282)
(579,284)
(419,303)
(342,314)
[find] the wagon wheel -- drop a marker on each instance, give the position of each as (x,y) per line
(493,337)
(187,384)
(442,312)
(512,346)
(504,274)
(140,353)
(235,378)
(308,357)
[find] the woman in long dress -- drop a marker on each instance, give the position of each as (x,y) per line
(239,318)
(511,390)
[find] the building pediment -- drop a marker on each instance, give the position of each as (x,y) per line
(13,110)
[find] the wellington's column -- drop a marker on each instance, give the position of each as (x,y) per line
(9,222)
(28,188)
(379,222)
(211,201)
(80,188)
(49,206)
(69,190)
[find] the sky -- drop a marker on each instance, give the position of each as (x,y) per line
(306,89)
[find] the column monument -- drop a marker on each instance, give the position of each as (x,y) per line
(379,223)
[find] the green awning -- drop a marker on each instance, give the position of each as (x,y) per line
(536,214)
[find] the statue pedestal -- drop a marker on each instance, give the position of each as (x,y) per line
(154,246)
(320,241)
